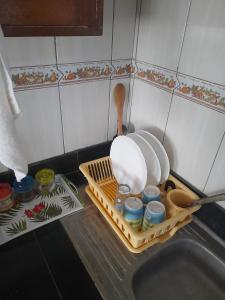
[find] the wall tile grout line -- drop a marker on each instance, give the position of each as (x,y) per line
(136,28)
(167,119)
(131,89)
(128,105)
(176,74)
(112,38)
(109,108)
(213,163)
(60,102)
(111,61)
(132,79)
(183,38)
(138,20)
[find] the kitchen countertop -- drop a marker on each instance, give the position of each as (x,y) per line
(106,259)
(43,264)
(102,253)
(61,254)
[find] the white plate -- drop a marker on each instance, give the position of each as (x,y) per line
(160,152)
(151,159)
(128,164)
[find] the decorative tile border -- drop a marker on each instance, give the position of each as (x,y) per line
(34,77)
(43,76)
(122,68)
(203,92)
(157,76)
(78,72)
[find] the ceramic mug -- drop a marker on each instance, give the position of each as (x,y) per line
(176,200)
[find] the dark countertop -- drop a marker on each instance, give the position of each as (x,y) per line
(43,264)
(48,263)
(66,259)
(110,265)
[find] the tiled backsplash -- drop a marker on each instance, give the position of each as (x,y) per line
(38,76)
(170,54)
(52,75)
(178,90)
(64,84)
(204,92)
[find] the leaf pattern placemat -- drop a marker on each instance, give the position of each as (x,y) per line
(44,208)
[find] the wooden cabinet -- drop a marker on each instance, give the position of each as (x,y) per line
(51,17)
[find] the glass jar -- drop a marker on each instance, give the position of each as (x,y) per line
(46,180)
(25,190)
(123,192)
(6,198)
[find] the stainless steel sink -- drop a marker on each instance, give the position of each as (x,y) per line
(190,266)
(183,270)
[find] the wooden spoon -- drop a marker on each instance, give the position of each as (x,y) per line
(119,97)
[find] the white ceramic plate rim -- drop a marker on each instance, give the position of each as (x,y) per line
(163,159)
(150,158)
(135,189)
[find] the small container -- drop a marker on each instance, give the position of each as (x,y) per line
(155,213)
(133,212)
(46,180)
(151,193)
(25,189)
(123,193)
(6,197)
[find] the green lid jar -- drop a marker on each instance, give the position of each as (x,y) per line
(45,179)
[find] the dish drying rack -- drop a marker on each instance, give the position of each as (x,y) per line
(102,191)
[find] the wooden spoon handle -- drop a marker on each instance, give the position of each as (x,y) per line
(120,123)
(119,95)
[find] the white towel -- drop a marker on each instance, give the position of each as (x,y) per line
(10,151)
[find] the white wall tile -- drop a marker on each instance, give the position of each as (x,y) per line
(193,135)
(124,26)
(30,51)
(85,113)
(161,30)
(113,113)
(149,110)
(3,168)
(88,48)
(203,53)
(39,125)
(136,29)
(216,181)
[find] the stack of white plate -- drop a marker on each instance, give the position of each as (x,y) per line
(139,159)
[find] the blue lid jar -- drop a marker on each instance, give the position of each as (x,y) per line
(25,185)
(25,189)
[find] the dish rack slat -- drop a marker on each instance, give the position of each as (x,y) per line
(102,190)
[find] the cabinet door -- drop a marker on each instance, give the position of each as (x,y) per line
(51,17)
